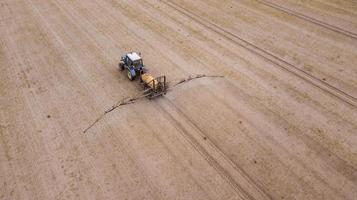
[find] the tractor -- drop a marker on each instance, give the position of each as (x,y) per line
(133,64)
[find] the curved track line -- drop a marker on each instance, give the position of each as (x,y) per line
(332,90)
(309,19)
(218,150)
(207,156)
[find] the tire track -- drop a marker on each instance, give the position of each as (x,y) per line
(312,143)
(309,19)
(278,62)
(210,159)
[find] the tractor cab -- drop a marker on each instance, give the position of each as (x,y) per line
(133,63)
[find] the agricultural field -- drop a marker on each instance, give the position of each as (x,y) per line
(280,121)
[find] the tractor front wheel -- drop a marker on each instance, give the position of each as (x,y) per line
(121,66)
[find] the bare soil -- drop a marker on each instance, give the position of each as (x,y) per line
(281,124)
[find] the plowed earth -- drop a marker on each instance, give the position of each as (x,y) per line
(281,124)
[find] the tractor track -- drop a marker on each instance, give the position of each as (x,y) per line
(279,62)
(212,162)
(309,19)
(214,146)
(206,155)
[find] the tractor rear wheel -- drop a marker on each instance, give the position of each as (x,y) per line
(130,76)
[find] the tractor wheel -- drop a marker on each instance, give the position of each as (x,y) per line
(130,75)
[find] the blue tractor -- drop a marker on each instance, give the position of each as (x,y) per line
(133,64)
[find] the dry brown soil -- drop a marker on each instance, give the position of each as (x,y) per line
(281,124)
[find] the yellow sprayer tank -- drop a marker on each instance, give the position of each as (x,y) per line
(150,81)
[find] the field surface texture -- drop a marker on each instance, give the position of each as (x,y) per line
(280,124)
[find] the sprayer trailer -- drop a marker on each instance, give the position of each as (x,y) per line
(153,87)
